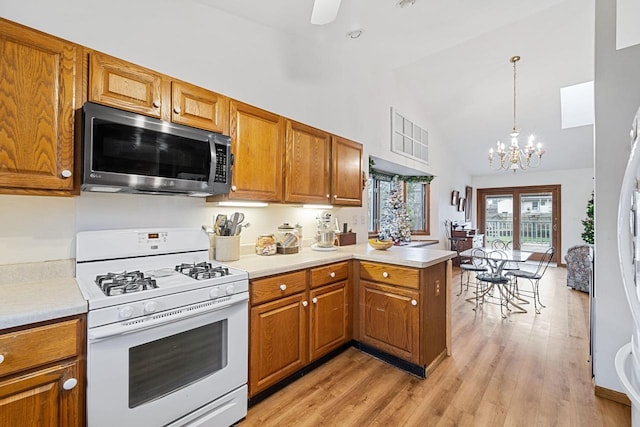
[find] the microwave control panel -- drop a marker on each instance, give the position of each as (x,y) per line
(221,164)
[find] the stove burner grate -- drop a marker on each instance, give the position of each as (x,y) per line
(202,270)
(124,283)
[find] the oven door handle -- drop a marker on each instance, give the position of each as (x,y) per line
(163,318)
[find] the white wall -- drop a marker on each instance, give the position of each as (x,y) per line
(617,97)
(576,187)
(231,56)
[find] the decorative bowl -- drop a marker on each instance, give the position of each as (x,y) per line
(380,244)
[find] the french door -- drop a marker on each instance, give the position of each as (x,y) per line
(527,217)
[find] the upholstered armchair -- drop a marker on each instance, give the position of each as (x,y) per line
(579,268)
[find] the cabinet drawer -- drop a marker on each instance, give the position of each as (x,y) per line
(262,290)
(329,274)
(390,274)
(38,346)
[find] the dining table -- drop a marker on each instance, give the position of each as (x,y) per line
(497,259)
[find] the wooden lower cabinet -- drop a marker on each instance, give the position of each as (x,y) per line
(329,318)
(39,399)
(42,375)
(278,343)
(390,320)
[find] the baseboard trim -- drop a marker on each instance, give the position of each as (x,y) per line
(613,395)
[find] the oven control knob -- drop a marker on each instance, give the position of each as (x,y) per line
(126,312)
(214,293)
(230,289)
(150,307)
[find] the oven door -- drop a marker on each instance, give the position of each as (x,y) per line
(155,370)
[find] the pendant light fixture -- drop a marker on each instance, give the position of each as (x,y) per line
(513,157)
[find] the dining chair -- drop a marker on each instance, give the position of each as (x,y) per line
(476,264)
(492,279)
(505,246)
(534,277)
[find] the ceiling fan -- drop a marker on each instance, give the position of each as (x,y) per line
(324,11)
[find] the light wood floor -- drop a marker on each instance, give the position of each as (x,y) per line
(527,370)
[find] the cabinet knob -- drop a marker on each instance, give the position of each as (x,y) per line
(314,300)
(1,358)
(283,287)
(305,303)
(328,196)
(335,196)
(414,302)
(156,104)
(385,274)
(69,384)
(332,274)
(66,173)
(234,188)
(177,110)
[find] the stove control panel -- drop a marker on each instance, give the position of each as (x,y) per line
(147,238)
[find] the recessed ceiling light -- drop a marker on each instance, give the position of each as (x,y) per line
(403,3)
(354,34)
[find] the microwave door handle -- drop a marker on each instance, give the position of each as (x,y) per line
(117,329)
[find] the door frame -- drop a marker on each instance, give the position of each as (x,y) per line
(556,211)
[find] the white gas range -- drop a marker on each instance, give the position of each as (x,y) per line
(167,337)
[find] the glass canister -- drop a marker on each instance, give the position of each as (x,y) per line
(266,245)
(287,239)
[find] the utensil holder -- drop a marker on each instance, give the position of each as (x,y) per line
(227,248)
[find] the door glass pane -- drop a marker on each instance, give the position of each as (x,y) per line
(498,219)
(535,222)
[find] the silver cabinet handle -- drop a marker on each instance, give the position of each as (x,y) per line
(283,287)
(414,302)
(66,173)
(156,104)
(177,110)
(314,300)
(69,384)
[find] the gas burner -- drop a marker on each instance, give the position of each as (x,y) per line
(202,270)
(124,283)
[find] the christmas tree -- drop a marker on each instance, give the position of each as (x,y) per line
(587,235)
(394,219)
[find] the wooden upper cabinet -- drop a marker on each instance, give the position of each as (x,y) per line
(257,144)
(308,155)
(39,78)
(198,107)
(120,84)
(346,172)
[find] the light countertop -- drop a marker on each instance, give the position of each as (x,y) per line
(39,291)
(31,293)
(419,257)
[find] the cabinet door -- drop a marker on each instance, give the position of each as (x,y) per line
(308,152)
(40,399)
(389,319)
(257,144)
(194,106)
(346,172)
(329,318)
(123,85)
(39,77)
(278,341)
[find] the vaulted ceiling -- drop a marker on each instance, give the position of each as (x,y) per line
(454,57)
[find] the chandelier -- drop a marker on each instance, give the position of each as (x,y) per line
(514,157)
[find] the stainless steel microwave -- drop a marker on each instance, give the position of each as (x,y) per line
(131,153)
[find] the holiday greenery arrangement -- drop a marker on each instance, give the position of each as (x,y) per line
(394,219)
(587,235)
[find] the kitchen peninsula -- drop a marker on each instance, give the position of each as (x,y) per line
(394,304)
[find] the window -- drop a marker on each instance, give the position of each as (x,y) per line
(416,196)
(408,139)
